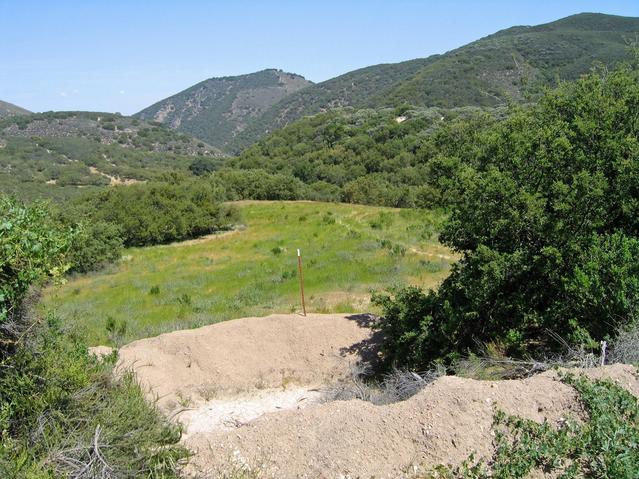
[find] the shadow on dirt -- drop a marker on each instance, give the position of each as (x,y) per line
(367,349)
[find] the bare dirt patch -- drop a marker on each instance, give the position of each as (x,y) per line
(249,393)
(443,424)
(114,180)
(184,369)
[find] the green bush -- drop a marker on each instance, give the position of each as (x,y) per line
(157,213)
(202,166)
(259,185)
(62,413)
(61,410)
(95,245)
(604,446)
(547,222)
(32,248)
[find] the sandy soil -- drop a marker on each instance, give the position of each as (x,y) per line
(231,413)
(249,394)
(114,180)
(443,424)
(185,369)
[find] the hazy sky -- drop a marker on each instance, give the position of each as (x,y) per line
(124,55)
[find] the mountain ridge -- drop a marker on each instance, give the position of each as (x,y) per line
(9,109)
(512,64)
(217,108)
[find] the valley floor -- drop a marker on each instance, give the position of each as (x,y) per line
(349,250)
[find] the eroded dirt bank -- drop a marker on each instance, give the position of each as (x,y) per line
(249,394)
(245,355)
(443,424)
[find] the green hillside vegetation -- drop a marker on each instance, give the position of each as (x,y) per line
(9,109)
(217,109)
(106,128)
(252,271)
(351,89)
(61,154)
(516,63)
(511,65)
(391,157)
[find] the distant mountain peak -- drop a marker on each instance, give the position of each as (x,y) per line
(218,108)
(514,64)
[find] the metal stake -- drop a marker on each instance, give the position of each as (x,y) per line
(299,267)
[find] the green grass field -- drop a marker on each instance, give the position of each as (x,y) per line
(348,251)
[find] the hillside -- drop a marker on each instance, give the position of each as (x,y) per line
(513,64)
(373,156)
(217,109)
(9,109)
(56,154)
(516,63)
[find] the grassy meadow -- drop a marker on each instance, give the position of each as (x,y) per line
(348,251)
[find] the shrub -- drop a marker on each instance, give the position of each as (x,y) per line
(32,248)
(95,245)
(625,347)
(156,213)
(547,226)
(203,166)
(259,185)
(61,412)
(115,329)
(603,446)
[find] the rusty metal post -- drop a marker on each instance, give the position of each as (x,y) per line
(299,267)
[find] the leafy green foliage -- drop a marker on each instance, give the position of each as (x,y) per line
(159,212)
(95,244)
(546,220)
(32,248)
(367,156)
(203,166)
(259,185)
(61,411)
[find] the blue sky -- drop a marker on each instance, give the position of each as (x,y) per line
(124,55)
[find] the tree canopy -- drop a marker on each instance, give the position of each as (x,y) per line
(545,218)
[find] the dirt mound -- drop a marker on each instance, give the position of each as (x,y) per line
(444,423)
(185,369)
(249,394)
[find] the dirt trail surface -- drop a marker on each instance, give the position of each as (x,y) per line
(443,424)
(187,368)
(249,393)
